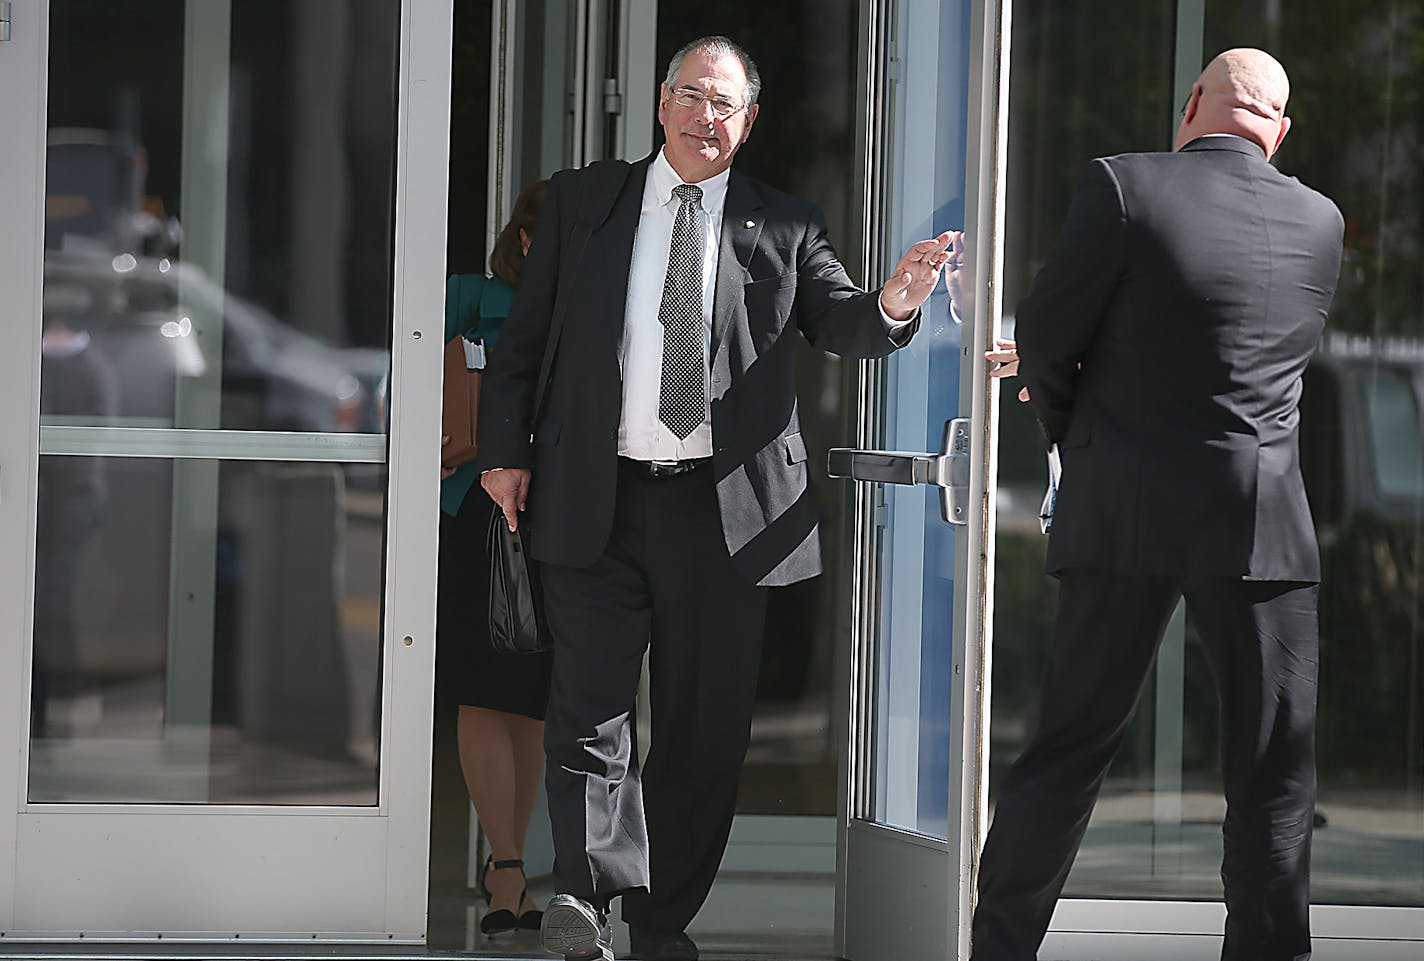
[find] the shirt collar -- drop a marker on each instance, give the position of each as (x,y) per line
(663,178)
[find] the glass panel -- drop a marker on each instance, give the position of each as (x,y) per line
(218,210)
(1156,831)
(218,255)
(921,393)
(275,703)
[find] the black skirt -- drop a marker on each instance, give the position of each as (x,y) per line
(467,670)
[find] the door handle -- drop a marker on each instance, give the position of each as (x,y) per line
(948,470)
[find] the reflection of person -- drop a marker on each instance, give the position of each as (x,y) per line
(502,696)
(1162,347)
(959,278)
(669,484)
(75,381)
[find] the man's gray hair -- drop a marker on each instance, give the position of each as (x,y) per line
(718,47)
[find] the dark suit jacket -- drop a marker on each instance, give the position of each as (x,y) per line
(776,273)
(1192,287)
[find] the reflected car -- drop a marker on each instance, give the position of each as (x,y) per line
(171,334)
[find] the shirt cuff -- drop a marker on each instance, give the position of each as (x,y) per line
(891,325)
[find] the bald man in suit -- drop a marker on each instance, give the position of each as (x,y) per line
(1162,348)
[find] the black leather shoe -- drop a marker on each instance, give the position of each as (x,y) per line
(575,930)
(661,945)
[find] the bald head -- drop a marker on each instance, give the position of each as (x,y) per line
(1242,92)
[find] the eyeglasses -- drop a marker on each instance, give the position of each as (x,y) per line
(722,108)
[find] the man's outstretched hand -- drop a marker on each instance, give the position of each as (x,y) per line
(914,277)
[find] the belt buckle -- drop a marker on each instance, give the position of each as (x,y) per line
(664,468)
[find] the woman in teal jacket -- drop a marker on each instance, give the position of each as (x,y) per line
(502,696)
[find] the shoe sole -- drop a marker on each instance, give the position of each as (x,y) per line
(568,932)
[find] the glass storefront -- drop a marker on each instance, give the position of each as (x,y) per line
(1357,100)
(213,385)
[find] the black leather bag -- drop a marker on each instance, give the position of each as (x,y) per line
(516,604)
(516,607)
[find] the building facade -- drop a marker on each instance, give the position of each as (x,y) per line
(224,231)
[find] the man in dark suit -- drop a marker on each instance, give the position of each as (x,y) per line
(666,483)
(1162,347)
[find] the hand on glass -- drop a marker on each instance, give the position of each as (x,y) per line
(914,277)
(445,471)
(1007,358)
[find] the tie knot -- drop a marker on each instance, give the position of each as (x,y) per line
(687,193)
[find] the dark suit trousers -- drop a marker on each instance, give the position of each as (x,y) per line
(665,578)
(1261,642)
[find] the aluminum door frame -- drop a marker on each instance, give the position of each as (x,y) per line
(22,158)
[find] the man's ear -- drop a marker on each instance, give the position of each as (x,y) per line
(1193,103)
(751,119)
(662,102)
(1285,129)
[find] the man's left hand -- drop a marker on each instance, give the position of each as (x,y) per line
(914,277)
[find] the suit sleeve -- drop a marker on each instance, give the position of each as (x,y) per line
(834,314)
(1055,324)
(507,391)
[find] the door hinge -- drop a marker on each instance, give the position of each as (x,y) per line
(4,20)
(612,99)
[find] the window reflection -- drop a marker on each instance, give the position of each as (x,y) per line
(218,256)
(275,702)
(250,259)
(1393,419)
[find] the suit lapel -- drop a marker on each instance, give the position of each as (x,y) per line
(612,243)
(741,228)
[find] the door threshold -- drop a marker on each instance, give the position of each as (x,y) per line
(43,951)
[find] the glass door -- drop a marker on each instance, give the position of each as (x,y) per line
(217,489)
(914,784)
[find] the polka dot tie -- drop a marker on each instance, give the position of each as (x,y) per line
(682,401)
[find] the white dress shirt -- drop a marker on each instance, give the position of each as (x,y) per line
(640,434)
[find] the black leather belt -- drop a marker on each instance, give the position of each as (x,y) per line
(663,468)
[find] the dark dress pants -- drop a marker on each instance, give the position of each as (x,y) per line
(665,579)
(1261,641)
